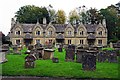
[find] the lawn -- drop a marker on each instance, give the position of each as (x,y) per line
(15,67)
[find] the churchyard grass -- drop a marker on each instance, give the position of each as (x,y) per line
(46,68)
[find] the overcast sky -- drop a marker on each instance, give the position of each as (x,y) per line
(9,7)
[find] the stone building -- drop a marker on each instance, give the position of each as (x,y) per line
(82,34)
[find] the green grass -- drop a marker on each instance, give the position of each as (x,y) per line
(15,67)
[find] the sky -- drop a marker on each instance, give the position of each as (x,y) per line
(9,7)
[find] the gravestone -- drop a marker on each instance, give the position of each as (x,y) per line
(30,47)
(15,49)
(89,60)
(3,52)
(48,54)
(55,60)
(60,48)
(29,61)
(39,51)
(79,54)
(102,57)
(112,57)
(70,53)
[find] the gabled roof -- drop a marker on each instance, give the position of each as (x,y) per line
(91,27)
(28,27)
(60,27)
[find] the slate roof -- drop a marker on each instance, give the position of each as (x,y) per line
(91,27)
(28,27)
(59,27)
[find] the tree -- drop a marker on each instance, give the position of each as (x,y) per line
(30,14)
(73,17)
(60,17)
(110,15)
(94,16)
(52,14)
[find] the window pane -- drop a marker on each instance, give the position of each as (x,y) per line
(18,42)
(37,41)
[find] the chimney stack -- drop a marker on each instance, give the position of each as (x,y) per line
(44,21)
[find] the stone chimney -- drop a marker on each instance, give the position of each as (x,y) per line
(104,22)
(44,21)
(37,21)
(12,22)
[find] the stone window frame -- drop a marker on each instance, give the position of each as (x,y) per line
(38,41)
(69,32)
(50,32)
(100,41)
(18,31)
(50,40)
(17,41)
(82,32)
(100,33)
(81,41)
(69,41)
(38,32)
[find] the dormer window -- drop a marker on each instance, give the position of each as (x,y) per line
(37,32)
(50,32)
(17,32)
(69,32)
(100,32)
(81,32)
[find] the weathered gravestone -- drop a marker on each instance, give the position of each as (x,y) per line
(112,56)
(3,53)
(89,60)
(39,51)
(15,49)
(55,60)
(30,47)
(60,48)
(102,57)
(29,61)
(48,53)
(79,54)
(70,53)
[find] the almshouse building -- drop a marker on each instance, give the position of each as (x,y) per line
(81,34)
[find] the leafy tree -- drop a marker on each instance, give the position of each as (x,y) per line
(53,17)
(94,16)
(73,17)
(30,14)
(110,15)
(60,17)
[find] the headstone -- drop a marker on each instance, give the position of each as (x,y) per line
(79,54)
(30,47)
(112,57)
(70,53)
(101,57)
(3,53)
(55,60)
(16,50)
(48,54)
(89,60)
(60,48)
(29,61)
(39,51)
